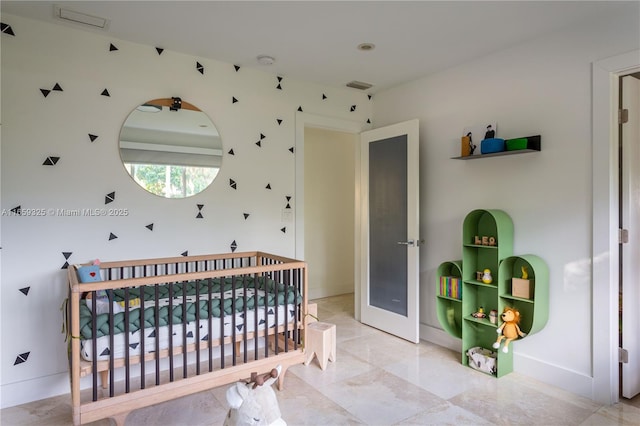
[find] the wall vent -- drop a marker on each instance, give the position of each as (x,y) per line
(359,85)
(69,15)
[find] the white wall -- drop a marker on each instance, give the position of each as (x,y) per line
(35,127)
(541,87)
(329,169)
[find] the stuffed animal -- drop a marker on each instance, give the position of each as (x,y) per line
(254,402)
(509,329)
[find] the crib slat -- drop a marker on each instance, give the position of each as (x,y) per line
(210,330)
(94,344)
(127,360)
(185,285)
(171,330)
(156,324)
(197,325)
(142,334)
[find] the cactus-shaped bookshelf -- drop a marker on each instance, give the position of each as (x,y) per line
(487,243)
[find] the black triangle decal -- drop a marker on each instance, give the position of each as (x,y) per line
(112,236)
(262,136)
(17,210)
(65,266)
(200,206)
(25,290)
(112,47)
(231,152)
(57,88)
(234,100)
(237,67)
(324,96)
(279,120)
(50,161)
(110,197)
(288,197)
(199,216)
(353,108)
(300,108)
(232,183)
(246,215)
(368,121)
(234,246)
(21,358)
(199,67)
(105,92)
(268,186)
(259,144)
(370,97)
(292,150)
(67,254)
(279,87)
(149,227)
(45,92)
(284,230)
(92,137)
(279,78)
(159,50)
(185,253)
(288,206)
(6,29)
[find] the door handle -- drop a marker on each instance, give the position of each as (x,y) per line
(406,243)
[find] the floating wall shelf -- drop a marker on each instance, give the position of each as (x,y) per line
(532,145)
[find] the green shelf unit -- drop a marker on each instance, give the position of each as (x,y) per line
(498,257)
(534,310)
(450,308)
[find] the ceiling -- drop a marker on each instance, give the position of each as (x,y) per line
(317,41)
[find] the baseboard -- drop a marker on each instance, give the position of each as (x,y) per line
(19,393)
(329,291)
(440,338)
(563,378)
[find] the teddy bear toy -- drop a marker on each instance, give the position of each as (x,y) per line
(509,329)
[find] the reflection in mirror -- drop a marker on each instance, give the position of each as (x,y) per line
(170,148)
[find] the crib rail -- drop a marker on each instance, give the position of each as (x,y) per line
(262,305)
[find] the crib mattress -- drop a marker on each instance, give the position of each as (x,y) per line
(194,330)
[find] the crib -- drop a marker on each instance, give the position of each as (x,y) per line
(181,325)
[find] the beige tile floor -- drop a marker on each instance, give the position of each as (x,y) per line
(376,379)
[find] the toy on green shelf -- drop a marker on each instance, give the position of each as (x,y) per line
(479,313)
(486,276)
(525,274)
(509,330)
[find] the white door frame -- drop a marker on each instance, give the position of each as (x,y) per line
(303,120)
(605,205)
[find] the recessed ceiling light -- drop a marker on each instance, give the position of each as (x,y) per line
(265,60)
(366,46)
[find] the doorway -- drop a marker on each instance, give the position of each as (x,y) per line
(329,211)
(629,220)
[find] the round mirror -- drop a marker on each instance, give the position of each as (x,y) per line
(170,148)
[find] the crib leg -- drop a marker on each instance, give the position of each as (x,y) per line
(104,378)
(119,419)
(281,377)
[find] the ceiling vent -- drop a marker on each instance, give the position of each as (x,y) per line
(69,15)
(359,85)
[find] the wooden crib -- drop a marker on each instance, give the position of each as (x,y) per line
(178,326)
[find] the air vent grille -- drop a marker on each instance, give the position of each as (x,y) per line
(359,85)
(80,18)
